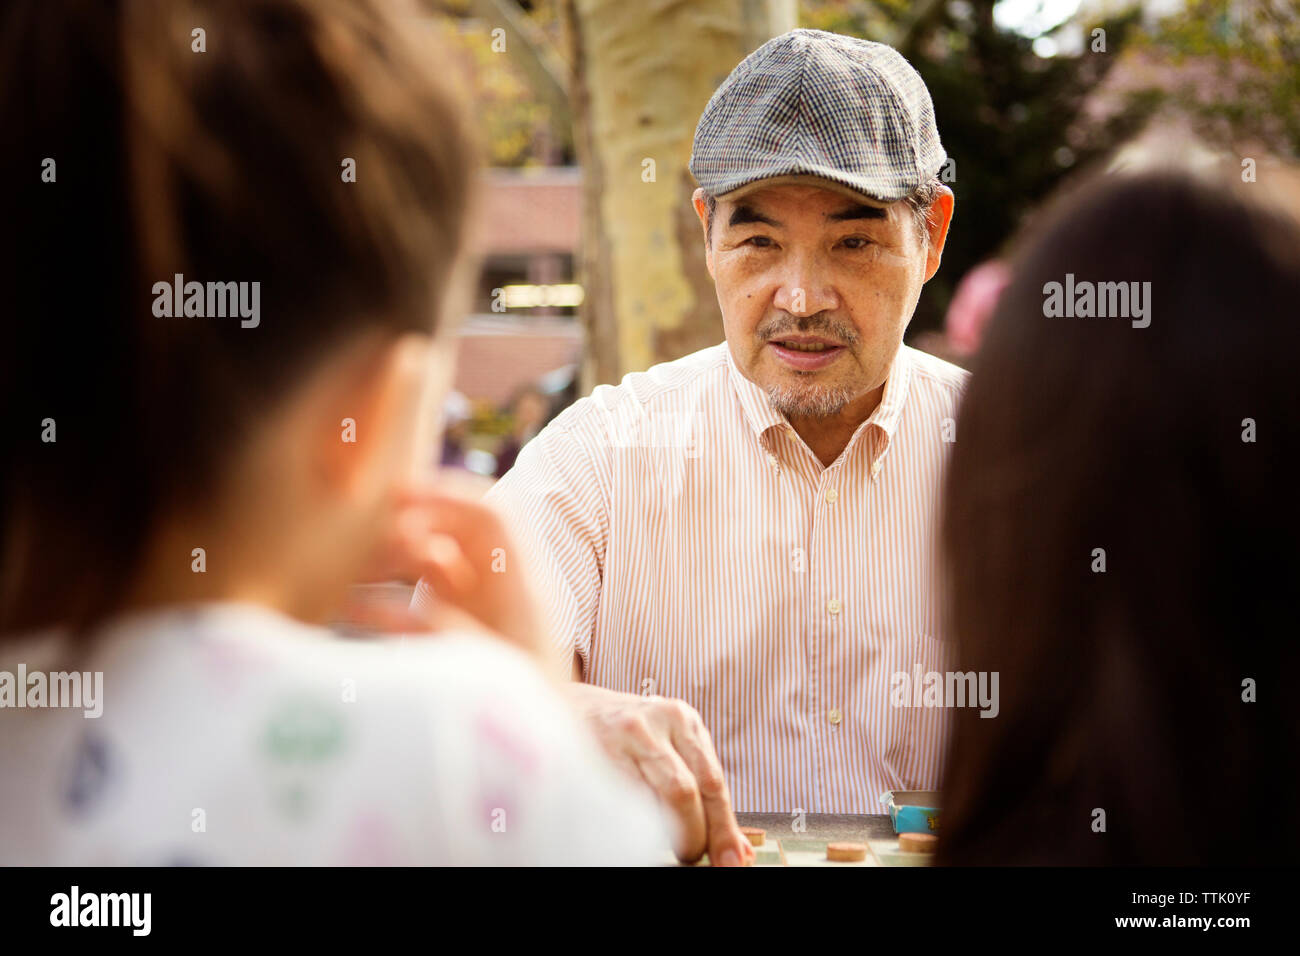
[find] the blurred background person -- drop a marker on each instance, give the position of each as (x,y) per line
(972,307)
(530,410)
(1121,527)
(968,314)
(456,415)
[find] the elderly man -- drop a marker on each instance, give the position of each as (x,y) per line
(738,547)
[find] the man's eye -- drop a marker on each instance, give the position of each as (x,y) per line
(855,242)
(763,242)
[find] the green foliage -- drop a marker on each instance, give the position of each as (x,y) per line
(516,127)
(1232,69)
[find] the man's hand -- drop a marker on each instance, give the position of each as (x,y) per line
(665,743)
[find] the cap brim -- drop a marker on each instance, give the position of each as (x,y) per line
(803,179)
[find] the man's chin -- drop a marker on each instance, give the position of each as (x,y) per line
(806,400)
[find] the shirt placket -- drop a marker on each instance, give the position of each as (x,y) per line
(825,619)
(795,483)
(830,599)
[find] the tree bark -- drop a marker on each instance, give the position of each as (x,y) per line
(642,73)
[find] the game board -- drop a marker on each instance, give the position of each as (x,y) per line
(784,845)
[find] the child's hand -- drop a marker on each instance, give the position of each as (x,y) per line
(460,548)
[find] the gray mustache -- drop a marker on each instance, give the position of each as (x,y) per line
(817,324)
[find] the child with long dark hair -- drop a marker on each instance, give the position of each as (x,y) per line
(1121,528)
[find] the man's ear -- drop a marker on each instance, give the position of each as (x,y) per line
(702,211)
(937,221)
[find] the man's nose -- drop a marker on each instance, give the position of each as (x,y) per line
(803,292)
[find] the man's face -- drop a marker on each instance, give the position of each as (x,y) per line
(816,289)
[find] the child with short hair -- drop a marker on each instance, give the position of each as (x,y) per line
(230,271)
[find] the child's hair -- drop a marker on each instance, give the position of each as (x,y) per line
(306,145)
(1121,529)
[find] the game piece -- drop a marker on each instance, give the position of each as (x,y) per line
(846,852)
(755,835)
(917,842)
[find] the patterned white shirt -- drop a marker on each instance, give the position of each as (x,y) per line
(232,735)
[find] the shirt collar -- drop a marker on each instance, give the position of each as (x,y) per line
(762,417)
(753,400)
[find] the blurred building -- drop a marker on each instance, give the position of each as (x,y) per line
(524,329)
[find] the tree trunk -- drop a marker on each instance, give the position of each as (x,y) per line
(642,73)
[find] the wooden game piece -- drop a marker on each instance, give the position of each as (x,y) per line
(846,852)
(755,835)
(917,842)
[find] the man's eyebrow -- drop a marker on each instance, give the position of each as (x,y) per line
(858,212)
(743,214)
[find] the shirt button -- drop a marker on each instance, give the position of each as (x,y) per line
(772,462)
(834,715)
(875,468)
(832,495)
(834,606)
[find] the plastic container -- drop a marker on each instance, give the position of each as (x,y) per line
(913,811)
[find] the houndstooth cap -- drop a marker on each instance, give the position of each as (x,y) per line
(811,106)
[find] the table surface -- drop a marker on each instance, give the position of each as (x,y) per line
(831,827)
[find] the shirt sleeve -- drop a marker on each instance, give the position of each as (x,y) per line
(554,504)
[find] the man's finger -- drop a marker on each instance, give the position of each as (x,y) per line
(727,845)
(668,776)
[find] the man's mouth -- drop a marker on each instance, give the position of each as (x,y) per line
(806,352)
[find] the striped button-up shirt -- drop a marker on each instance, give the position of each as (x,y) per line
(689,544)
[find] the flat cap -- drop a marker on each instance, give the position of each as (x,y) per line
(818,107)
